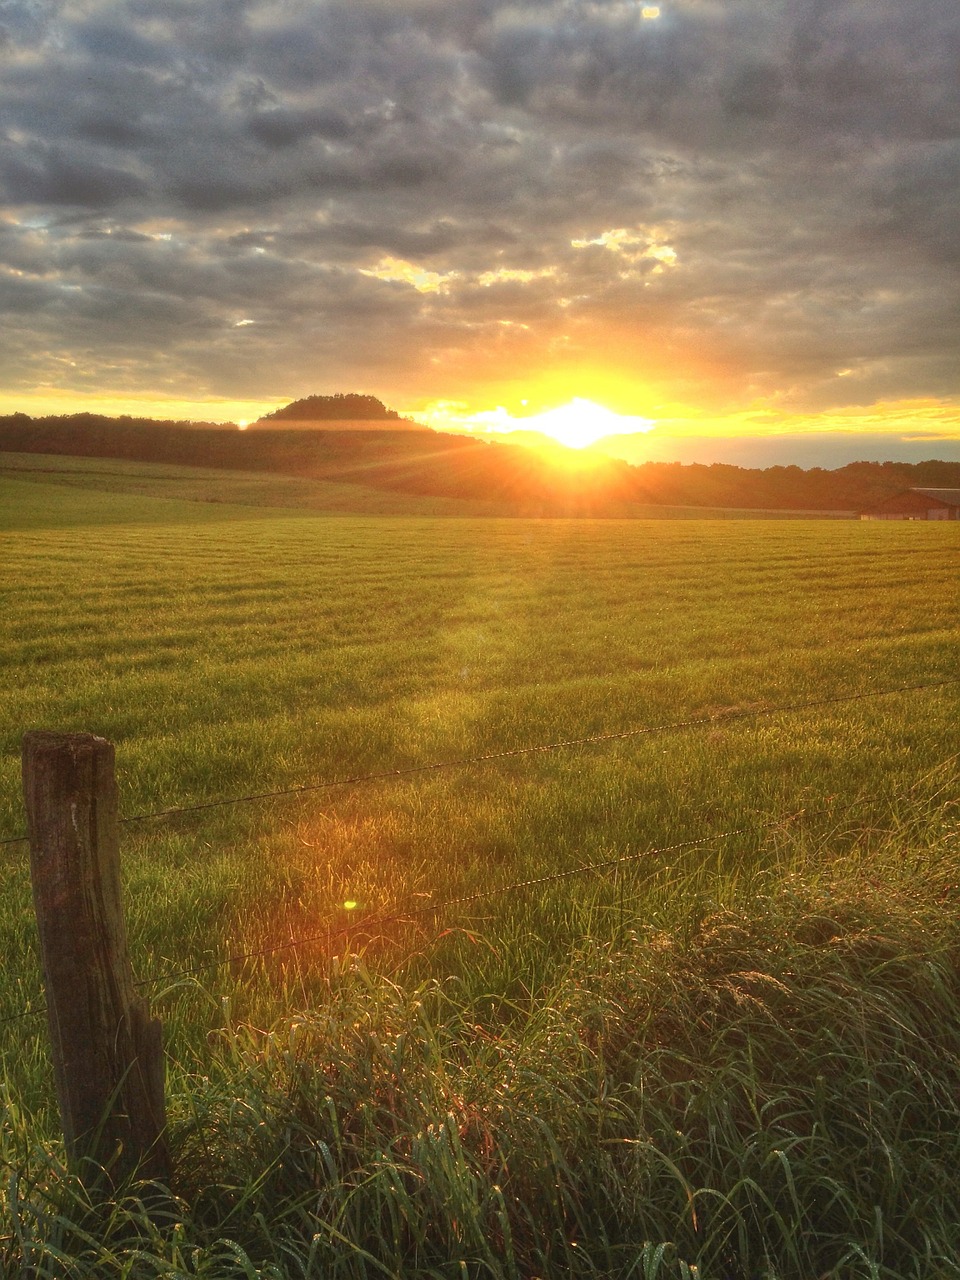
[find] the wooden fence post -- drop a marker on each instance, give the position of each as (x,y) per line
(107,1051)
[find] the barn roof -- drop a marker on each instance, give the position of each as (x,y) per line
(917,503)
(950,496)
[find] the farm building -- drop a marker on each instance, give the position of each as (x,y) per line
(917,504)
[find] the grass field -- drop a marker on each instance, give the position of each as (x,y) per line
(277,491)
(741,1056)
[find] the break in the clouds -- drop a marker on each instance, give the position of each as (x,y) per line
(692,206)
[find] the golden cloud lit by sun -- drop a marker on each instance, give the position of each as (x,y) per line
(399,271)
(633,246)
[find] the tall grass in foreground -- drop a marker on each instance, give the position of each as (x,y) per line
(740,1060)
(766,1089)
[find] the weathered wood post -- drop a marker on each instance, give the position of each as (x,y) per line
(107,1052)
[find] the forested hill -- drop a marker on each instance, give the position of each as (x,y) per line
(414,460)
(336,408)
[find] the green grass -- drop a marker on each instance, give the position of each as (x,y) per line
(232,488)
(260,489)
(741,1056)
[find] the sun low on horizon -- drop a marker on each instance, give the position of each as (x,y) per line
(581,423)
(577,424)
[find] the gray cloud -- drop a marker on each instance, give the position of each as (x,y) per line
(285,196)
(51,175)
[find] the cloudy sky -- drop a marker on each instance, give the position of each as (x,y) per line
(725,217)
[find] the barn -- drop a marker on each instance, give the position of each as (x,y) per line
(917,504)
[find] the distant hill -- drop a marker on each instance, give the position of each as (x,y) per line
(394,455)
(350,412)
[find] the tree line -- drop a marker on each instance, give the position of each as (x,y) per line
(421,461)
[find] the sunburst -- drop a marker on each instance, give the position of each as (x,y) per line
(581,423)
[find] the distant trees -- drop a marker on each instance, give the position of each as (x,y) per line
(401,456)
(341,407)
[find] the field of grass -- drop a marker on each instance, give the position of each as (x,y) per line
(261,489)
(741,1056)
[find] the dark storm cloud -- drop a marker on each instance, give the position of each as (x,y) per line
(51,175)
(286,190)
(277,127)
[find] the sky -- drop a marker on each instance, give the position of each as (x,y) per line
(717,229)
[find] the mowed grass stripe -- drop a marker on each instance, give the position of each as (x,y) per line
(446,625)
(366,645)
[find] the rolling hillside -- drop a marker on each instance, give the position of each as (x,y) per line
(393,456)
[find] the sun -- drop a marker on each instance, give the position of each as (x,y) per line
(582,423)
(577,424)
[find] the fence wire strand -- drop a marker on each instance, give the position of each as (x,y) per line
(403,913)
(465,762)
(412,911)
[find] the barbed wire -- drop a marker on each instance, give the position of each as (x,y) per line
(408,911)
(24,1013)
(431,908)
(512,752)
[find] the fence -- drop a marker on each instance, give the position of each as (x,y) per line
(107,1050)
